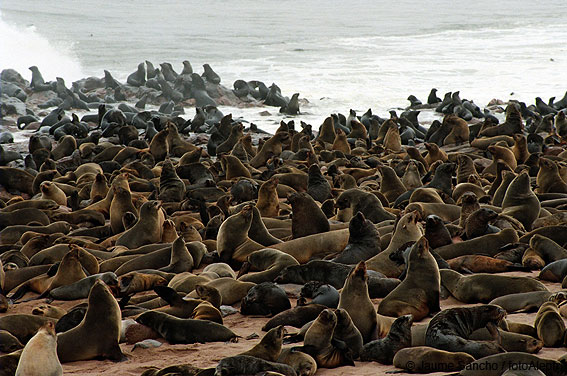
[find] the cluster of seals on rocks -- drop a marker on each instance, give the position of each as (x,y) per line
(180,219)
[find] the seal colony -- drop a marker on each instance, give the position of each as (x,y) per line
(358,246)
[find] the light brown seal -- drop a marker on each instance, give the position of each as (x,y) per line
(39,356)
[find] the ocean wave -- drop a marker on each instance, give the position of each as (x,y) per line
(21,47)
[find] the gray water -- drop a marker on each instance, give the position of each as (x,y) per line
(338,55)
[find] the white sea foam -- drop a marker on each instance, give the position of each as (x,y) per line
(21,47)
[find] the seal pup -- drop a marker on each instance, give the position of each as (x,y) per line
(268,203)
(303,364)
(266,298)
(383,350)
(39,356)
(270,346)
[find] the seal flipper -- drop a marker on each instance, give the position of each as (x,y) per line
(124,301)
(169,295)
(53,269)
(20,291)
(115,354)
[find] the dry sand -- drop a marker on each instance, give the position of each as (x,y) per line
(208,355)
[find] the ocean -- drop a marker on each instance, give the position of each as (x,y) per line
(337,54)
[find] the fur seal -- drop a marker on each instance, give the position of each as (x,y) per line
(303,364)
(549,250)
(335,275)
(450,329)
(81,289)
(307,216)
(181,259)
(355,300)
(486,287)
(296,316)
(407,229)
(40,354)
(489,244)
(171,187)
(175,330)
(22,326)
(269,263)
(436,232)
(121,204)
(525,301)
(418,294)
(272,147)
(8,342)
(511,341)
(270,346)
(356,200)
(146,231)
(318,343)
(101,326)
(477,223)
(501,363)
(320,293)
(482,264)
(383,350)
(520,202)
(317,185)
(549,325)
(424,359)
(268,203)
(363,241)
(233,242)
(50,191)
(264,299)
(250,365)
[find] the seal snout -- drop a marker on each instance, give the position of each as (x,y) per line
(360,270)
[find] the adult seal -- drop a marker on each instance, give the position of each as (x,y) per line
(146,231)
(450,329)
(424,359)
(318,343)
(355,300)
(175,330)
(249,365)
(363,241)
(418,294)
(482,288)
(98,333)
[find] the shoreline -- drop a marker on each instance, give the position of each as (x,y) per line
(195,193)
